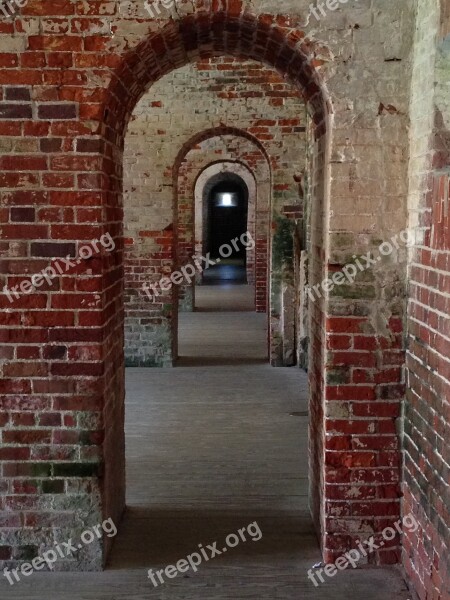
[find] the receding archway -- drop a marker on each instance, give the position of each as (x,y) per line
(226,201)
(201,34)
(82,344)
(255,166)
(206,180)
(245,156)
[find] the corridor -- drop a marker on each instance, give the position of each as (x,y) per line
(213,445)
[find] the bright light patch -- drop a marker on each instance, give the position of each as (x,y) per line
(226,199)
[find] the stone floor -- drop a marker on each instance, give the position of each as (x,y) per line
(212,446)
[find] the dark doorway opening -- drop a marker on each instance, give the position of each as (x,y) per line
(227,216)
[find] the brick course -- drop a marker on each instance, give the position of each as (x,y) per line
(209,97)
(70,89)
(426,477)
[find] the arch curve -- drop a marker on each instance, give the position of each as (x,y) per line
(213,132)
(216,27)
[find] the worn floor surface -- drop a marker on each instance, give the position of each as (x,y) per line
(211,448)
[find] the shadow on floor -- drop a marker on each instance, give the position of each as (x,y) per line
(226,297)
(170,534)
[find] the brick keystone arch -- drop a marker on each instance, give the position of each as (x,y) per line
(200,137)
(175,245)
(205,181)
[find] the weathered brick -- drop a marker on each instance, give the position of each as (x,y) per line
(50,144)
(15,111)
(57,111)
(86,81)
(53,249)
(23,214)
(17,93)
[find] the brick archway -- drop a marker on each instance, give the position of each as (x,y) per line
(72,75)
(80,367)
(259,164)
(174,244)
(227,28)
(203,184)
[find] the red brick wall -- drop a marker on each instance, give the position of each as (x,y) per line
(65,363)
(427,410)
(426,486)
(356,356)
(62,397)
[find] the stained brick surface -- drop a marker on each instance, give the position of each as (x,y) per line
(209,97)
(426,482)
(72,75)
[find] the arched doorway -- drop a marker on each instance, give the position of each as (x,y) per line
(203,184)
(89,371)
(226,200)
(75,360)
(130,78)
